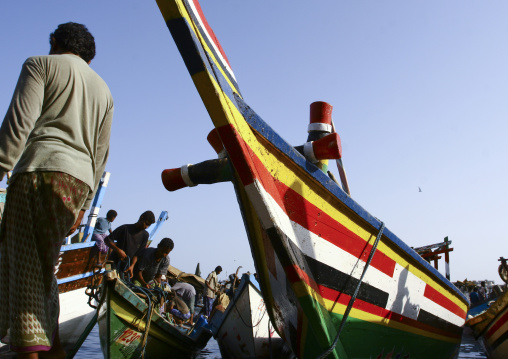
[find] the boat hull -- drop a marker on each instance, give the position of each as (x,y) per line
(244,330)
(311,241)
(122,322)
(491,327)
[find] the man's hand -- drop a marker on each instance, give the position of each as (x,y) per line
(121,254)
(130,271)
(78,221)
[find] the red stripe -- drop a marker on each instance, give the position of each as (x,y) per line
(209,30)
(499,323)
(296,207)
(237,151)
(443,301)
(296,274)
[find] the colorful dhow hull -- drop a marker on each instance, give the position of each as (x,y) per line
(310,241)
(129,327)
(491,327)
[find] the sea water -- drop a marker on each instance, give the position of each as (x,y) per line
(91,348)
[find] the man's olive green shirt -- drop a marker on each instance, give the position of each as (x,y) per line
(59,120)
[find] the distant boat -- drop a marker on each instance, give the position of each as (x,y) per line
(244,330)
(335,281)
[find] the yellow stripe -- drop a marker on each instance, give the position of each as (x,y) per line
(302,290)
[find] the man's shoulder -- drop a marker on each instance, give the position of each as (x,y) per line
(123,227)
(147,252)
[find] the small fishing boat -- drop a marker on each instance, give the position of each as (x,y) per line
(336,282)
(131,326)
(243,329)
(490,326)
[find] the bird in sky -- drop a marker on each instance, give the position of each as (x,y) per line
(419,189)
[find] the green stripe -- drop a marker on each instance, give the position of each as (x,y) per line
(363,339)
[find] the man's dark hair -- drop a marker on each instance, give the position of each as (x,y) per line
(166,243)
(218,269)
(148,217)
(74,38)
(111,214)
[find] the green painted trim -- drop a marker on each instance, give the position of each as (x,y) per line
(358,333)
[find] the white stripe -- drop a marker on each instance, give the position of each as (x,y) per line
(219,54)
(318,126)
(105,179)
(185,176)
(441,312)
(405,290)
(308,152)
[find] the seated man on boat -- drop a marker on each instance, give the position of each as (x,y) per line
(178,309)
(151,263)
(186,292)
(102,230)
(127,240)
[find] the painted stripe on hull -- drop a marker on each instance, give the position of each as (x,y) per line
(440,299)
(497,334)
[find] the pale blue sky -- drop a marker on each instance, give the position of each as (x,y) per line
(419,93)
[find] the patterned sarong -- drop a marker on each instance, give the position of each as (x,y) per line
(98,238)
(40,209)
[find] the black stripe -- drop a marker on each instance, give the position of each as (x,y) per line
(436,322)
(187,45)
(499,340)
(210,45)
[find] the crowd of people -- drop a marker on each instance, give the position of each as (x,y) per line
(479,294)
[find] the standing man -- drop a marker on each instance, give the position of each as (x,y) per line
(55,137)
(129,239)
(211,288)
(102,229)
(482,291)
